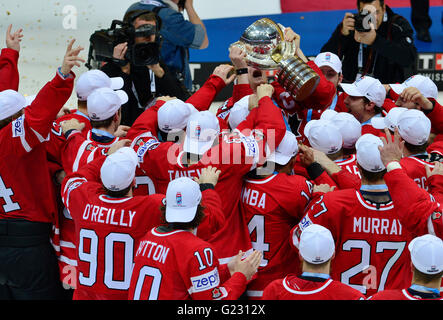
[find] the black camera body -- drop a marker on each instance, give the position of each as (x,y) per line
(360,22)
(102,43)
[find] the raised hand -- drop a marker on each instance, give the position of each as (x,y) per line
(71,58)
(13,40)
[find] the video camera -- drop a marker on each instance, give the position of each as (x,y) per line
(102,43)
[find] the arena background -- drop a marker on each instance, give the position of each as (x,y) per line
(49,25)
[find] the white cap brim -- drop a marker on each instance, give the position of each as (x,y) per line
(123,96)
(197,147)
(351,90)
(117,83)
(379,123)
(182,215)
(397,87)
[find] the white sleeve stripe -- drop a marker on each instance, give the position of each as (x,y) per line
(70,181)
(25,143)
(39,136)
(79,155)
(67,244)
(431,226)
(91,155)
(68,261)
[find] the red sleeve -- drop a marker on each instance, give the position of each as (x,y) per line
(416,211)
(435,185)
(214,218)
(392,95)
(388,105)
(324,92)
(271,290)
(146,122)
(436,117)
(203,98)
(239,91)
(48,102)
(70,156)
(9,76)
(346,180)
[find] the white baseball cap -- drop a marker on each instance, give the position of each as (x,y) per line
(349,126)
(427,254)
(174,114)
(103,103)
(118,170)
(94,79)
(368,87)
(390,121)
(426,86)
(201,131)
(287,149)
(183,196)
(11,102)
(238,112)
(414,127)
(324,136)
(328,59)
(316,244)
(368,155)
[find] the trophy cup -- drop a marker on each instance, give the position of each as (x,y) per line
(265,48)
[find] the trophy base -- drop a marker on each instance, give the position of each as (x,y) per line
(297,78)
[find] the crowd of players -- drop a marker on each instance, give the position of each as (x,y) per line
(334,197)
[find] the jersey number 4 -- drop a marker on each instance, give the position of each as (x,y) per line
(6,194)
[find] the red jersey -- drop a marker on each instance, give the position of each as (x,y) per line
(417,210)
(297,288)
(9,76)
(107,232)
(235,155)
(403,294)
(25,182)
(349,163)
(177,265)
(414,167)
(272,206)
(371,244)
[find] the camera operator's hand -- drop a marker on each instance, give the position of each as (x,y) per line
(347,24)
(157,69)
(71,58)
(224,71)
(13,40)
(120,51)
(366,37)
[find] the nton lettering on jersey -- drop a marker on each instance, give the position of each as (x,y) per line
(156,252)
(122,218)
(377,226)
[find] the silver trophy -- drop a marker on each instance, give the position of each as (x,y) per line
(266,49)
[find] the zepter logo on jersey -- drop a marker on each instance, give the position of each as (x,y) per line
(205,281)
(18,128)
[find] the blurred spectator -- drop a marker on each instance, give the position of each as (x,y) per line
(178,34)
(376,51)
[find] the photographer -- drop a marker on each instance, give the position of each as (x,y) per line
(142,83)
(379,44)
(179,35)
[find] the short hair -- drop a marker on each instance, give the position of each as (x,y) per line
(371,176)
(8,120)
(416,148)
(377,109)
(102,123)
(147,16)
(424,277)
(117,194)
(199,216)
(382,2)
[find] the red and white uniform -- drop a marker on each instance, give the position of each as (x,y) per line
(415,169)
(9,76)
(235,155)
(26,189)
(177,265)
(403,294)
(366,236)
(272,206)
(107,232)
(417,211)
(296,288)
(349,163)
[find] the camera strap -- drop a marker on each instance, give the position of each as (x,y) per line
(361,71)
(153,89)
